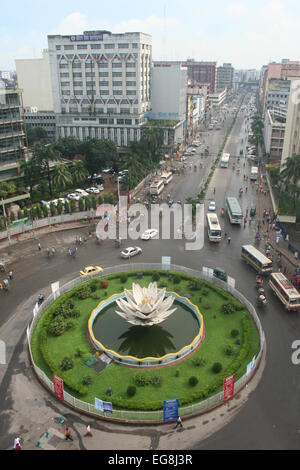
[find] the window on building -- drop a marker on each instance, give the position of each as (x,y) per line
(95,46)
(69,48)
(123,46)
(109,46)
(103,83)
(117,83)
(58,48)
(82,47)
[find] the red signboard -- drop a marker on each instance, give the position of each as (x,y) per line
(228,387)
(58,387)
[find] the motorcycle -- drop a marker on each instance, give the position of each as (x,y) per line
(261,300)
(41,299)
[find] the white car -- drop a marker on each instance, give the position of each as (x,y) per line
(131,251)
(149,234)
(81,192)
(45,203)
(93,190)
(212,206)
(74,196)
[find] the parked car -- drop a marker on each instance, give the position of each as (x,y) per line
(131,251)
(93,190)
(45,203)
(81,192)
(149,234)
(74,196)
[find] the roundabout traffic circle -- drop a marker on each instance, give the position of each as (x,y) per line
(98,355)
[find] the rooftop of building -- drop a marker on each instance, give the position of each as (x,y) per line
(97,35)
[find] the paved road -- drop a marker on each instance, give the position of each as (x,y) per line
(269,419)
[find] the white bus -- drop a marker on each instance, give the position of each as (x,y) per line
(225,160)
(285,291)
(254,173)
(157,187)
(256,259)
(213,228)
(167,177)
(234,210)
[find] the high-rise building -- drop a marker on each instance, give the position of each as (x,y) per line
(225,74)
(291,145)
(168,97)
(101,84)
(12,131)
(274,131)
(202,73)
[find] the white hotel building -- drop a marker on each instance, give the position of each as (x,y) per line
(101,84)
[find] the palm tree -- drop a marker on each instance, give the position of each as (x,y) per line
(62,177)
(135,169)
(31,173)
(290,175)
(79,172)
(45,155)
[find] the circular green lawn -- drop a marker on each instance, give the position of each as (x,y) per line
(61,333)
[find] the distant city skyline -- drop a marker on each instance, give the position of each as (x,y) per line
(246,33)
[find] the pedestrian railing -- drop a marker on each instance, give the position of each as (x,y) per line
(136,415)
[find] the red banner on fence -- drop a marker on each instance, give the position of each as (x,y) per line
(58,387)
(228,387)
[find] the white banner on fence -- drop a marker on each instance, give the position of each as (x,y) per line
(99,404)
(208,272)
(166,262)
(250,366)
(36,309)
(231,282)
(55,289)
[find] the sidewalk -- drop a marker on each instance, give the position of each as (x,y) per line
(264,203)
(36,234)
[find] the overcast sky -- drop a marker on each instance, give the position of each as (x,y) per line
(248,33)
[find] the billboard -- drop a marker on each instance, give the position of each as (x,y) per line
(228,387)
(58,387)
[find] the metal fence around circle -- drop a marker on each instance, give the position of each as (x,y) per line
(136,415)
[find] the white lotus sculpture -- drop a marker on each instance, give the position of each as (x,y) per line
(145,306)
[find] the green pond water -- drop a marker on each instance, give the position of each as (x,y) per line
(174,333)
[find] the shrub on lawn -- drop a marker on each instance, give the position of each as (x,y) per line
(123,278)
(176,279)
(228,308)
(195,284)
(83,293)
(105,283)
(87,380)
(193,381)
(93,287)
(199,362)
(234,333)
(78,352)
(217,367)
(109,392)
(57,326)
(70,325)
(229,350)
(139,275)
(67,364)
(177,373)
(155,277)
(131,391)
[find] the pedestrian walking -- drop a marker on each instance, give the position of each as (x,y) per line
(39,247)
(88,431)
(11,275)
(179,423)
(68,434)
(287,237)
(229,240)
(17,444)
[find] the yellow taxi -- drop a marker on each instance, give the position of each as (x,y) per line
(90,270)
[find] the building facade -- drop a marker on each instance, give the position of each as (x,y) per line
(202,73)
(218,98)
(101,84)
(225,75)
(34,79)
(274,132)
(291,144)
(44,119)
(277,94)
(13,145)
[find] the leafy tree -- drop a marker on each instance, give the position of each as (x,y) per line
(45,210)
(68,147)
(52,209)
(94,202)
(87,203)
(67,207)
(290,175)
(45,155)
(81,205)
(36,134)
(59,207)
(72,206)
(79,172)
(12,217)
(98,154)
(62,177)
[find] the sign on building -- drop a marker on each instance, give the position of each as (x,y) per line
(250,366)
(55,289)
